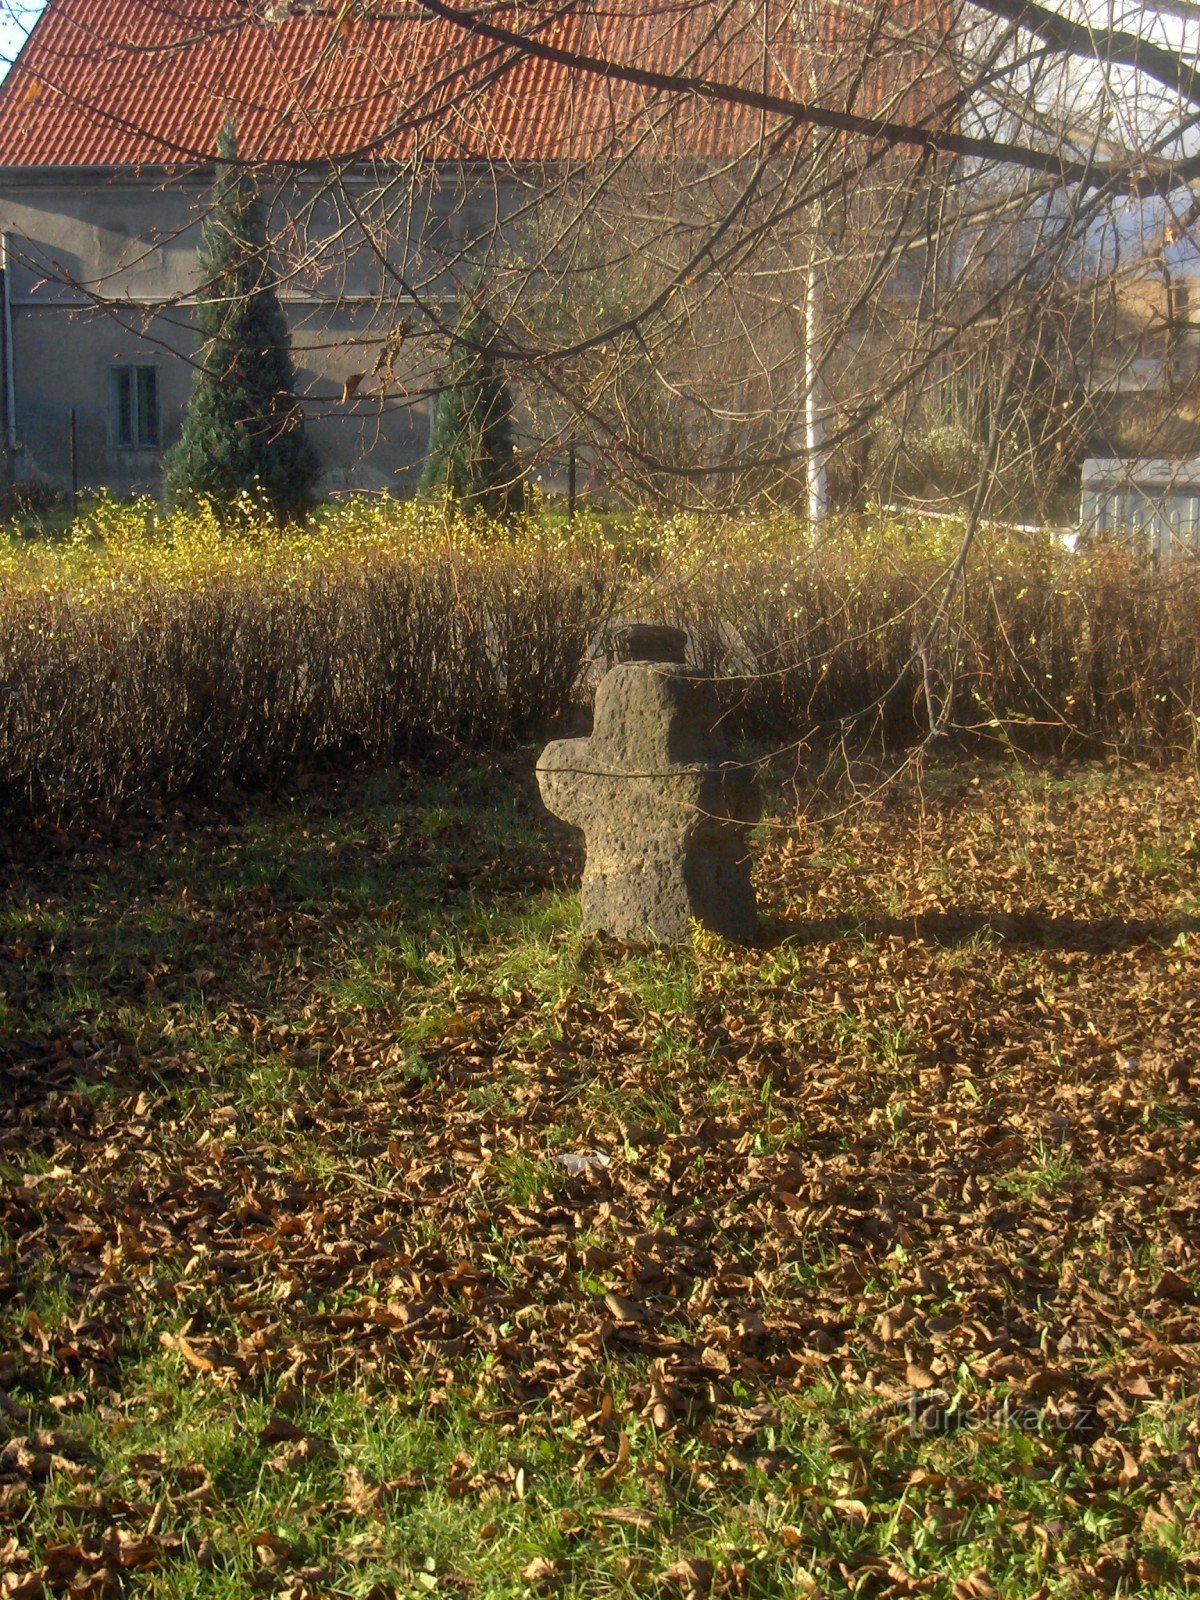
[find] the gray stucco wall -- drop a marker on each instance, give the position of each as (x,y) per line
(101,266)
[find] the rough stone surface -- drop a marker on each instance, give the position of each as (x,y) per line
(663,810)
(647,641)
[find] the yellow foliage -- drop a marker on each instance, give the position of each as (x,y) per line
(145,655)
(122,545)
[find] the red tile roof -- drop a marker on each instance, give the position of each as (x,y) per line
(149,82)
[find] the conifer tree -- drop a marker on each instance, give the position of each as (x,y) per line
(473,457)
(243,431)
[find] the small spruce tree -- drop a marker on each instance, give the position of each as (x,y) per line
(473,456)
(243,431)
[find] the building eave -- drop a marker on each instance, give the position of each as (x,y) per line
(176,171)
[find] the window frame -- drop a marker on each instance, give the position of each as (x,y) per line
(134,409)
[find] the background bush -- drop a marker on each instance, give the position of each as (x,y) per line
(146,658)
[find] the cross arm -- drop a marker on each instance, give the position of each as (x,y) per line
(564,779)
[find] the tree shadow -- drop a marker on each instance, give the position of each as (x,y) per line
(1029,929)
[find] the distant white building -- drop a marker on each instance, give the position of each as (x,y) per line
(1155,504)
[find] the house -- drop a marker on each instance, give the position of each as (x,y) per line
(390,145)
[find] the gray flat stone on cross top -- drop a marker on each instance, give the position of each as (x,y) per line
(664,811)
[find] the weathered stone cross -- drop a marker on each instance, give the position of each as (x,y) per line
(663,809)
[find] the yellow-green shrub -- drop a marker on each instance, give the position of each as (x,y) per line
(143,659)
(147,657)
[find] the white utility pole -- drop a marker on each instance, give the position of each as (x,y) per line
(814,420)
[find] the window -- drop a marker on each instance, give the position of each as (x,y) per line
(134,402)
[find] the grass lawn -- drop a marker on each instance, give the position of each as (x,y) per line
(366,1231)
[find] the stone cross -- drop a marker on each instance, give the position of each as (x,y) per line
(663,809)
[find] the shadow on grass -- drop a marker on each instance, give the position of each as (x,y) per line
(1033,929)
(220,933)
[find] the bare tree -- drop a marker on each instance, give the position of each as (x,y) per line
(711,221)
